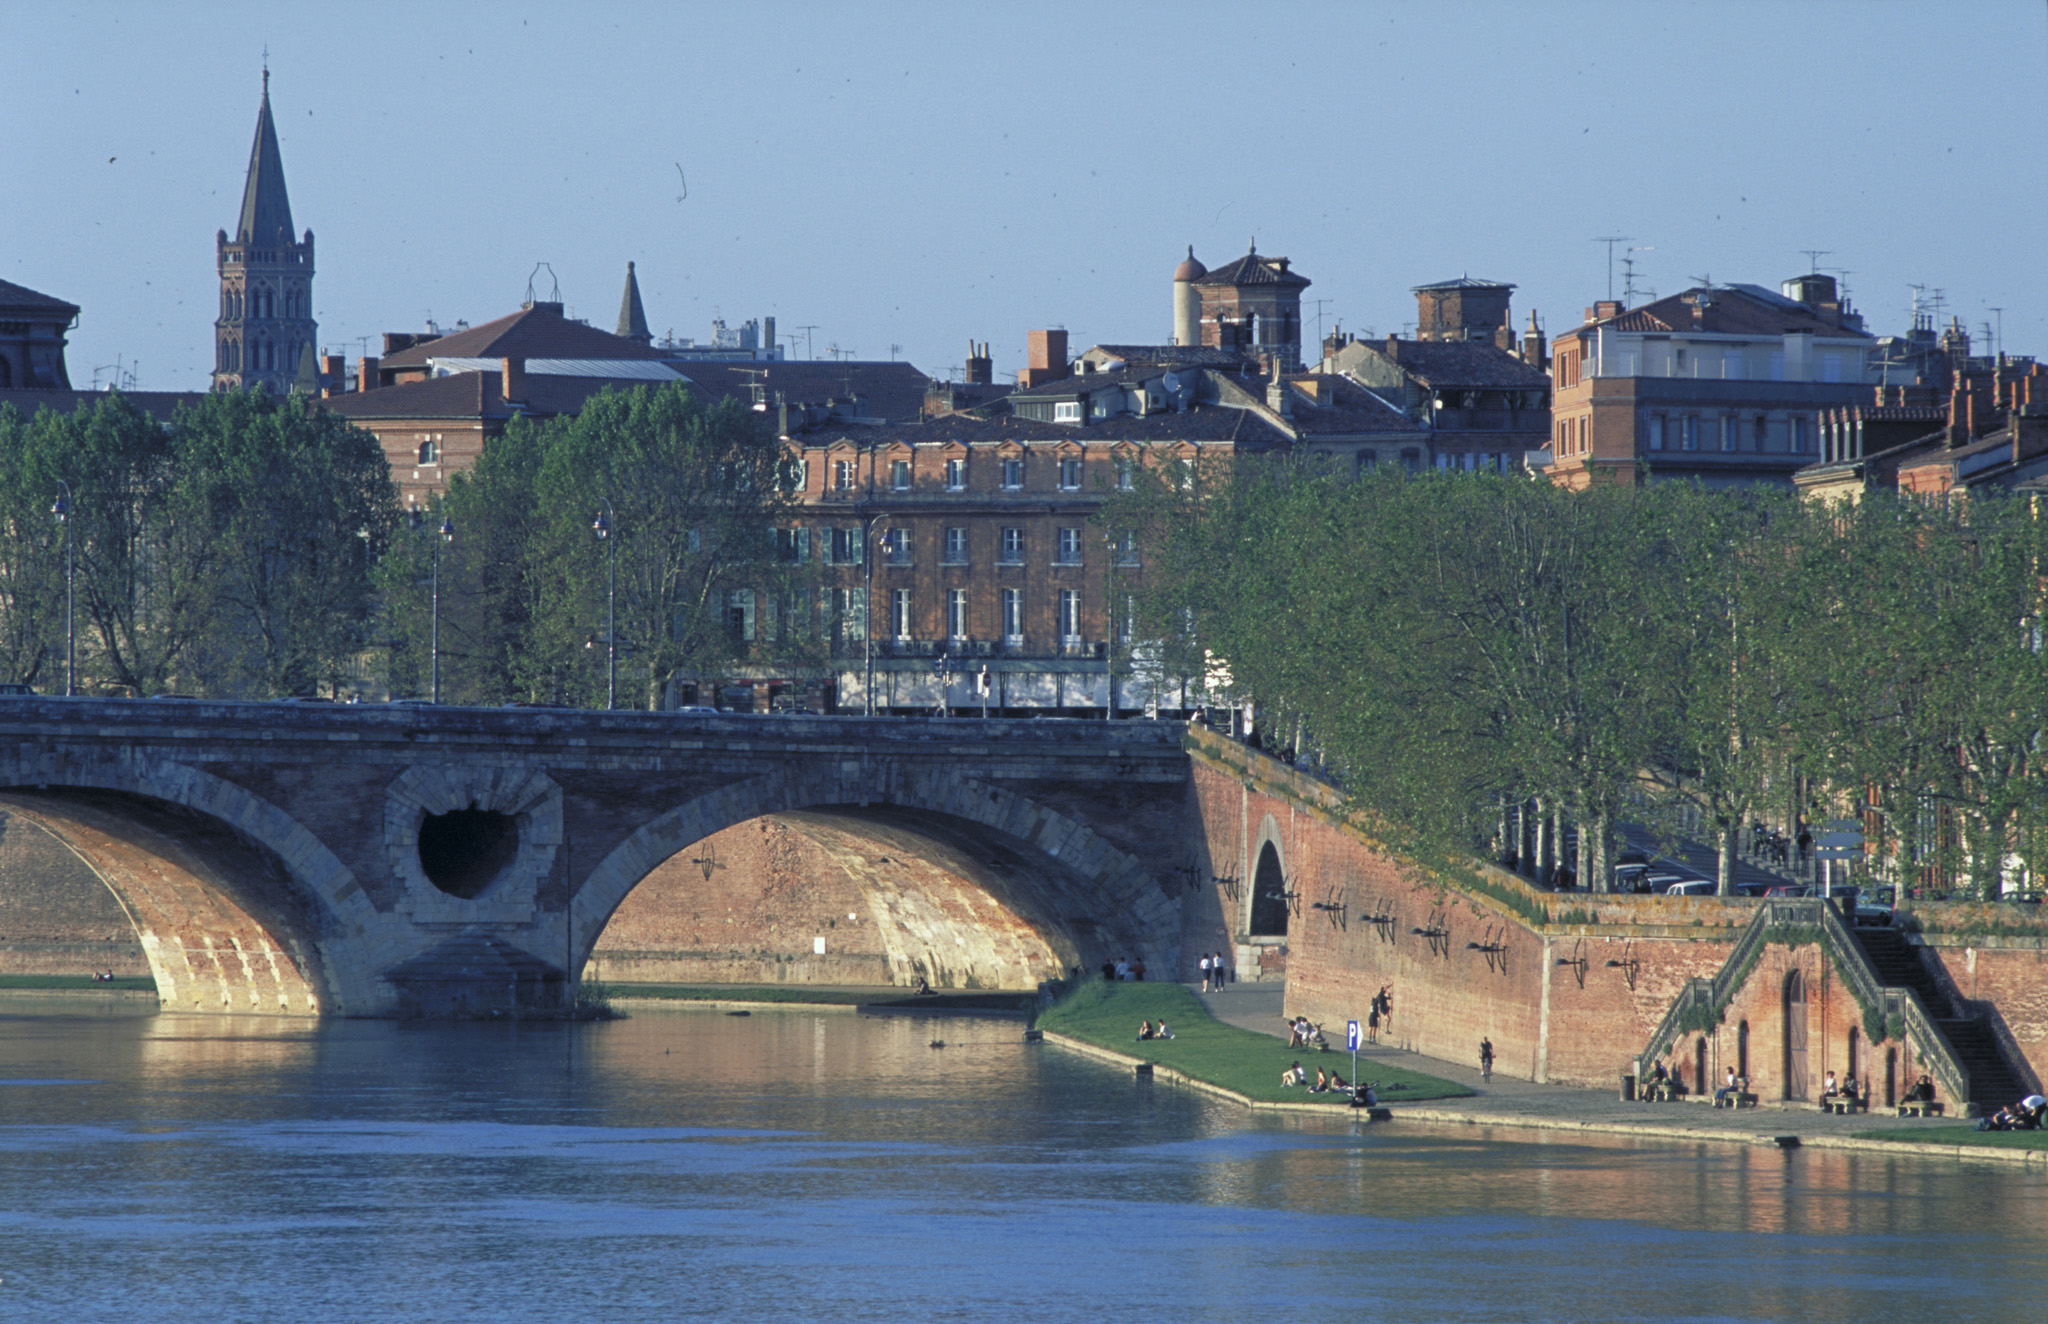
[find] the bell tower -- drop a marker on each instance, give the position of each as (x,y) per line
(265,329)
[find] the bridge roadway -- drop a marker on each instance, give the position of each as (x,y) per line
(307,858)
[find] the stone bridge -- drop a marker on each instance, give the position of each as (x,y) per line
(311,859)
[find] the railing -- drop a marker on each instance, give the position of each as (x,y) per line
(1701,1002)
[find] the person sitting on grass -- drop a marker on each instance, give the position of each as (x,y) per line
(1294,1075)
(1322,1084)
(1162,1032)
(1337,1085)
(1145,1029)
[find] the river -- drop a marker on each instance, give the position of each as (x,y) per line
(831,1166)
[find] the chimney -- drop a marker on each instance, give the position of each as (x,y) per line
(768,337)
(1279,396)
(333,368)
(981,369)
(366,373)
(1534,352)
(1046,359)
(512,380)
(1603,308)
(1393,349)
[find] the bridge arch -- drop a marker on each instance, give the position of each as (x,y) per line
(1085,897)
(232,900)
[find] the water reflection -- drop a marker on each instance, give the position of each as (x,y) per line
(820,1165)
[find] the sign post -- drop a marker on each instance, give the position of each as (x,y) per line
(1351,1042)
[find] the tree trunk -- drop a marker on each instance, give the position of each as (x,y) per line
(1724,873)
(1588,881)
(1603,825)
(1541,853)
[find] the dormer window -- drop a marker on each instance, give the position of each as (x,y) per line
(956,475)
(1070,474)
(1066,411)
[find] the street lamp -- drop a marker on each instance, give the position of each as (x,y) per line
(62,510)
(447,532)
(867,625)
(602,527)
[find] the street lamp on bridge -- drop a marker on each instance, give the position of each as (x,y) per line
(602,527)
(447,535)
(62,510)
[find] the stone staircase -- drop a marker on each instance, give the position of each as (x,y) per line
(1898,965)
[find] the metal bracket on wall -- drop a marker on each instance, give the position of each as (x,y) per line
(1628,965)
(1493,948)
(1383,919)
(1577,961)
(1438,932)
(1335,909)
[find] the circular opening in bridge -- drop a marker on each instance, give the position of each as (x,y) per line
(463,850)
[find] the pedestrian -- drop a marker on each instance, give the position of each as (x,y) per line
(1372,1023)
(1205,972)
(1485,1059)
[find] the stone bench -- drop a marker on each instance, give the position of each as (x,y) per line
(1843,1105)
(1740,1099)
(1920,1108)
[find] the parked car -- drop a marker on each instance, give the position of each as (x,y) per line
(1753,889)
(1789,889)
(1628,877)
(699,708)
(1661,881)
(1873,917)
(16,690)
(1691,887)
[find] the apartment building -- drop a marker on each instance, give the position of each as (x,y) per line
(1719,385)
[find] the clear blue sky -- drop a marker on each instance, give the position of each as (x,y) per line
(924,174)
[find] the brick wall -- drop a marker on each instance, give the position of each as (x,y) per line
(56,916)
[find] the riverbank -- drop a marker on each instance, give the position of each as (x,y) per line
(79,984)
(879,998)
(1506,1107)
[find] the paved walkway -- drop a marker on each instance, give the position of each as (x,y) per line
(1506,1101)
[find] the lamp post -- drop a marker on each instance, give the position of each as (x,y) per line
(62,510)
(602,527)
(867,624)
(447,535)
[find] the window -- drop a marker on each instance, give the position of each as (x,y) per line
(1777,365)
(430,452)
(842,475)
(956,475)
(1070,547)
(900,613)
(1013,473)
(853,613)
(1013,547)
(1585,433)
(843,548)
(1125,474)
(896,545)
(1127,548)
(1656,439)
(1067,411)
(1445,463)
(1366,460)
(1760,430)
(1691,425)
(899,475)
(1127,620)
(956,547)
(739,615)
(1678,364)
(1731,428)
(792,546)
(1070,617)
(1013,617)
(1187,473)
(1411,459)
(1486,462)
(1831,367)
(956,613)
(1800,428)
(1732,366)
(791,474)
(1070,474)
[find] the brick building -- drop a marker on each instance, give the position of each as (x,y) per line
(1719,385)
(1250,306)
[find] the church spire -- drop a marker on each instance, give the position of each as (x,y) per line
(266,219)
(632,317)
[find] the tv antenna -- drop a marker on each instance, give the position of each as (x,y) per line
(894,350)
(1813,257)
(1611,240)
(555,286)
(1319,320)
(1628,268)
(807,338)
(1998,341)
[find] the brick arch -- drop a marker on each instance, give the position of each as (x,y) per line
(1105,881)
(158,841)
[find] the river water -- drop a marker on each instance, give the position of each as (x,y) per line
(829,1166)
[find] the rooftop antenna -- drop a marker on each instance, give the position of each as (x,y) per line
(1919,309)
(1704,282)
(894,350)
(807,338)
(1319,318)
(1998,339)
(1611,240)
(1841,275)
(555,294)
(1628,267)
(1813,257)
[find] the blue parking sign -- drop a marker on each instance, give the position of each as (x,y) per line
(1351,1036)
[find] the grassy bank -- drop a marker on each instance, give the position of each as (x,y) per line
(1107,1015)
(83,983)
(953,1000)
(1961,1133)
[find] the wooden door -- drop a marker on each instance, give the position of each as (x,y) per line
(1795,1036)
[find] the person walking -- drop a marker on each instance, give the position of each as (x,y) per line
(1485,1059)
(1205,972)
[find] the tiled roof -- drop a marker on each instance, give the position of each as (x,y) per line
(894,391)
(1464,283)
(1210,423)
(1193,356)
(14,296)
(1470,364)
(1251,269)
(1730,310)
(477,395)
(1084,382)
(538,331)
(1350,408)
(159,405)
